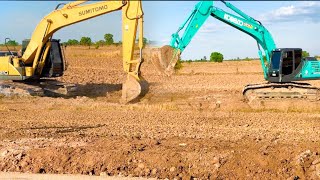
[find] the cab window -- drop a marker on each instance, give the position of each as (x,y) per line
(275,60)
(287,62)
(297,58)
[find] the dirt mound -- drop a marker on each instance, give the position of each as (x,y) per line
(179,158)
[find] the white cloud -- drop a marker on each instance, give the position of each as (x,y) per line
(208,28)
(159,43)
(303,11)
(212,27)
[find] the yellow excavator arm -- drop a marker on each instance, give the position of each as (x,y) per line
(33,59)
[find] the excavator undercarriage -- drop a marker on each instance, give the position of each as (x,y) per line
(281,91)
(260,94)
(51,88)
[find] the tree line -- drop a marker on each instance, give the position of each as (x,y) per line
(108,40)
(218,57)
(86,41)
(214,57)
(12,43)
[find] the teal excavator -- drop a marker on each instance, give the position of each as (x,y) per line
(282,67)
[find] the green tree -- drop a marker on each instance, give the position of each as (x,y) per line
(109,39)
(72,42)
(216,57)
(145,41)
(12,43)
(100,43)
(305,54)
(86,41)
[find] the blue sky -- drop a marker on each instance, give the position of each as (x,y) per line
(292,24)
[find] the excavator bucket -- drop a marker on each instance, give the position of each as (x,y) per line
(132,89)
(165,59)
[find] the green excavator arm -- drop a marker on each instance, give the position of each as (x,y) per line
(243,22)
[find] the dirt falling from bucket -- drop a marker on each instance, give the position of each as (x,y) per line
(164,59)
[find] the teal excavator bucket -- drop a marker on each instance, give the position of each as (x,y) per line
(165,59)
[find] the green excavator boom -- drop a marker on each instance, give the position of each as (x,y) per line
(243,22)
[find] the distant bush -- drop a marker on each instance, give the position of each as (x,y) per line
(178,65)
(305,54)
(190,60)
(86,41)
(72,42)
(247,59)
(216,57)
(145,42)
(12,43)
(108,39)
(201,60)
(100,43)
(118,43)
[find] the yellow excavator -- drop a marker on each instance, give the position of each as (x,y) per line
(42,56)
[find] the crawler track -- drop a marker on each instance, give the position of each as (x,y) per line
(45,88)
(260,94)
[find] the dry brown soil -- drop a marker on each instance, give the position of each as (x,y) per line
(194,124)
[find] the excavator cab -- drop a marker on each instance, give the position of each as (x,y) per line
(55,63)
(285,64)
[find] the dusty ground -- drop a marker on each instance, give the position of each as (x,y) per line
(192,125)
(32,176)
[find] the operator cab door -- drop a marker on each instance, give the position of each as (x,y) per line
(291,64)
(54,64)
(285,64)
(274,69)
